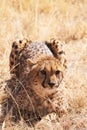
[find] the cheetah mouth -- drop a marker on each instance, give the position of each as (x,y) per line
(55,86)
(52,91)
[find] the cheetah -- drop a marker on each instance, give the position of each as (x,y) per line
(37,69)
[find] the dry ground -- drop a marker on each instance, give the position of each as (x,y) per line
(41,20)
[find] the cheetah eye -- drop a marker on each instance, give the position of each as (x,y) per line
(43,72)
(20,41)
(58,72)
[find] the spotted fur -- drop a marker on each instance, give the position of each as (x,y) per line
(17,47)
(56,47)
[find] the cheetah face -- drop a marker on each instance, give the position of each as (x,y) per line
(46,76)
(51,75)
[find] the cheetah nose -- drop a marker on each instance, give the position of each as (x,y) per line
(51,84)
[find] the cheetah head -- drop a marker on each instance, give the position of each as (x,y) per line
(45,76)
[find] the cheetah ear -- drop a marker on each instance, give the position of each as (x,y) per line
(31,63)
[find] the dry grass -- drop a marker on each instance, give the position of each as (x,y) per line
(41,20)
